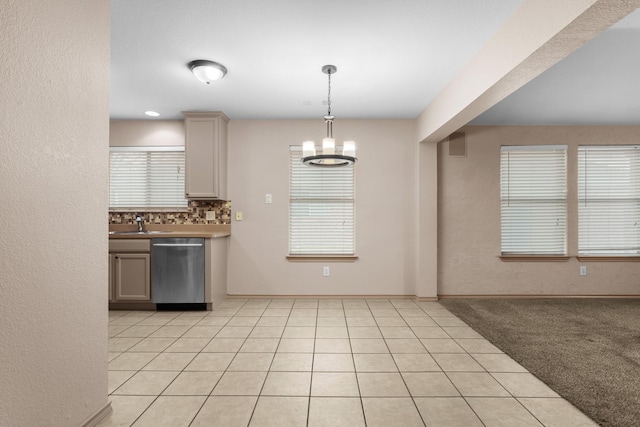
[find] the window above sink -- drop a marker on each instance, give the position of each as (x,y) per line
(147,178)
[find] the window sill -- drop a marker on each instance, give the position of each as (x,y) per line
(319,258)
(535,258)
(608,258)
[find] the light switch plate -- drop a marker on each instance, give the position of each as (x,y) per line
(268,199)
(211,215)
(238,216)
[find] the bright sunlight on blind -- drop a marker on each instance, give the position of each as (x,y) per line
(533,199)
(146,177)
(321,208)
(609,200)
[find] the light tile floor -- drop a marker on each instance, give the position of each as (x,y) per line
(317,363)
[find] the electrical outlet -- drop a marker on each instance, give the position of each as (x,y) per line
(238,216)
(583,270)
(325,271)
(268,199)
(211,215)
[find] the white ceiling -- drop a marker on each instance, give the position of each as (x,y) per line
(597,84)
(393,58)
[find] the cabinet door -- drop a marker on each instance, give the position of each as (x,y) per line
(132,281)
(111,257)
(205,154)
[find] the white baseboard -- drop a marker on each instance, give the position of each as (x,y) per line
(528,296)
(98,416)
(254,296)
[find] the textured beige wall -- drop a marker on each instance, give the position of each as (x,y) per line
(125,133)
(426,227)
(385,209)
(469,220)
(54,104)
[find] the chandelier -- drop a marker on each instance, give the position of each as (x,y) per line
(330,155)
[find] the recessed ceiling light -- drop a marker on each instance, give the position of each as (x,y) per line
(152,113)
(207,71)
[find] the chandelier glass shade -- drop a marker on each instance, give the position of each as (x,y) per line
(329,155)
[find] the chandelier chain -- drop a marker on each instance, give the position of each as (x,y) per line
(329,95)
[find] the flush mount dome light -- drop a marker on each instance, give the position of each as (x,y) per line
(207,71)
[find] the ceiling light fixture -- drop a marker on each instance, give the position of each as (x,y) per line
(330,157)
(207,71)
(152,113)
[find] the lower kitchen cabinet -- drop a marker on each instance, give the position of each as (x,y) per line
(131,277)
(110,277)
(130,273)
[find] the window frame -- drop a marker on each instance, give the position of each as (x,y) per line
(148,204)
(336,200)
(548,206)
(609,201)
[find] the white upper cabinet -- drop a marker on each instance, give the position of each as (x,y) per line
(206,155)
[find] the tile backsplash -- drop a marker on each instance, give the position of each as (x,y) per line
(196,214)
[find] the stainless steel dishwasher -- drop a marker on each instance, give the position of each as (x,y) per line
(177,273)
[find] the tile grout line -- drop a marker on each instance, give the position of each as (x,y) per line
(456,387)
(240,348)
(447,376)
(180,372)
(346,324)
(364,415)
(271,364)
(400,373)
(138,371)
(200,352)
(313,359)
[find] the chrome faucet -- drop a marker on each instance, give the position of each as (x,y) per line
(139,221)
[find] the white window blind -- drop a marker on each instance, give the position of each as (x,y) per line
(609,200)
(146,177)
(321,208)
(533,199)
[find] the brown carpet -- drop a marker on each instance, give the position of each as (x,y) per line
(587,350)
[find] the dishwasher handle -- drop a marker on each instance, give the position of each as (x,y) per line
(178,245)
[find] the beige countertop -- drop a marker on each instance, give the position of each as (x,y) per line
(129,231)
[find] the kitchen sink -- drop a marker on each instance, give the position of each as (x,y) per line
(139,232)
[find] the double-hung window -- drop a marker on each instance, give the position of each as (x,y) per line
(533,200)
(609,200)
(146,178)
(321,208)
